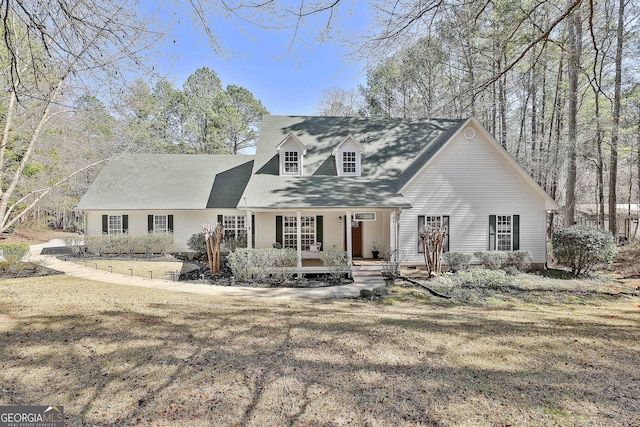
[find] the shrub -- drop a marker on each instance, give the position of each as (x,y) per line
(96,245)
(156,243)
(232,243)
(198,244)
(337,261)
(492,260)
(152,243)
(481,277)
(393,259)
(12,253)
(519,260)
(262,264)
(457,261)
(582,247)
(74,243)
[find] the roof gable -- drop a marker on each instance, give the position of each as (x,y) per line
(348,139)
(292,138)
(424,159)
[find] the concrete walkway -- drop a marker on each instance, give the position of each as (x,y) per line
(364,281)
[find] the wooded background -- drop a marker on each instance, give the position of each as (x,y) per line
(556,83)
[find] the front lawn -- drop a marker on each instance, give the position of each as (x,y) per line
(118,355)
(159,269)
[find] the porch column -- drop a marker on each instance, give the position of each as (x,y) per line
(347,220)
(299,236)
(397,225)
(249,230)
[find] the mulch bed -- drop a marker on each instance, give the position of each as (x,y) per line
(28,269)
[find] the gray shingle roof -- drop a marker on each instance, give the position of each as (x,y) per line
(393,149)
(168,181)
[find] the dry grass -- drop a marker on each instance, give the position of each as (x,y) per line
(160,268)
(32,234)
(115,355)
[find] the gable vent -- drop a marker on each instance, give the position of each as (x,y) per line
(469,133)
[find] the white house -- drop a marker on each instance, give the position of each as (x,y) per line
(348,183)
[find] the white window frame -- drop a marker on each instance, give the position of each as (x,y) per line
(234,226)
(114,225)
(504,232)
(428,220)
(351,163)
(157,223)
(288,162)
(308,231)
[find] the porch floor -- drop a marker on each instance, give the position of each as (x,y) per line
(314,262)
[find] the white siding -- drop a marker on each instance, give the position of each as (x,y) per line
(266,228)
(348,145)
(185,222)
(333,229)
(291,145)
(469,180)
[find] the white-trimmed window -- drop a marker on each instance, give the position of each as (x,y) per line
(235,226)
(307,231)
(115,224)
(291,162)
(433,221)
(160,224)
(503,232)
(349,162)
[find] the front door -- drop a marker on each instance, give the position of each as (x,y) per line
(356,239)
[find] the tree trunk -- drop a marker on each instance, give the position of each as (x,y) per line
(575,51)
(613,163)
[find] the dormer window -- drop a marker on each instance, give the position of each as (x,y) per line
(347,155)
(291,152)
(291,162)
(348,162)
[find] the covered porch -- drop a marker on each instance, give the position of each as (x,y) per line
(359,232)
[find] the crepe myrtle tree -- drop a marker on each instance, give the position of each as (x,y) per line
(433,238)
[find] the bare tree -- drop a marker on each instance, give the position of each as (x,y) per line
(575,53)
(615,131)
(48,48)
(339,102)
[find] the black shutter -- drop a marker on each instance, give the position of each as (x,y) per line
(220,219)
(125,223)
(319,229)
(445,223)
(150,223)
(492,232)
(170,223)
(420,227)
(253,231)
(279,238)
(516,232)
(105,224)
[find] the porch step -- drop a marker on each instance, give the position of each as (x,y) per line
(366,270)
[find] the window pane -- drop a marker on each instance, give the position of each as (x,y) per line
(349,162)
(291,161)
(160,223)
(234,226)
(307,231)
(503,232)
(115,224)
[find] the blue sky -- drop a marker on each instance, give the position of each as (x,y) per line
(287,81)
